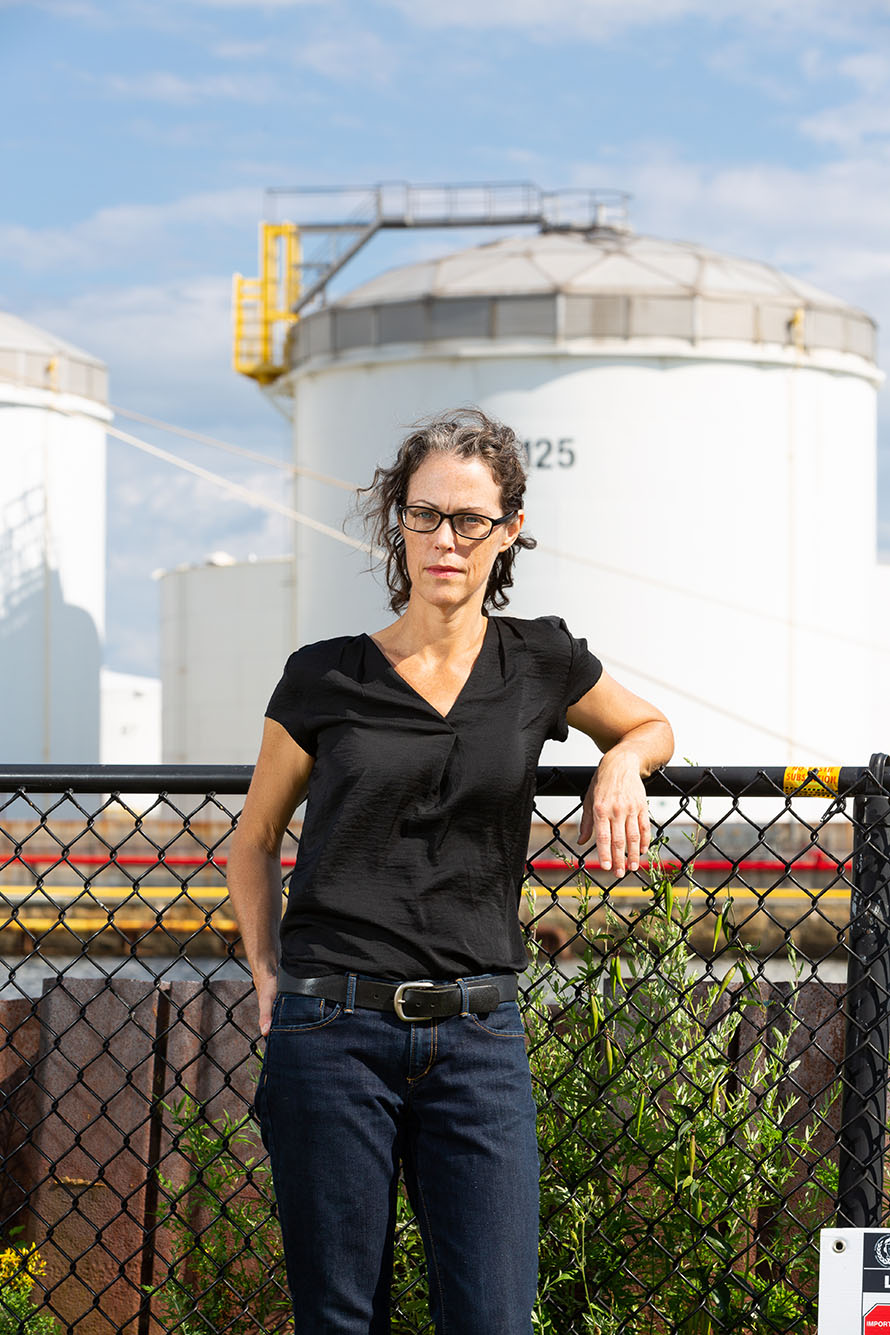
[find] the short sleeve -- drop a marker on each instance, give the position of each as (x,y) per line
(573,670)
(585,669)
(292,702)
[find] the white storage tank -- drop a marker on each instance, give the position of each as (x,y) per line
(701,437)
(226,630)
(131,718)
(53,411)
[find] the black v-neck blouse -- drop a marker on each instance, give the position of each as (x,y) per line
(416,825)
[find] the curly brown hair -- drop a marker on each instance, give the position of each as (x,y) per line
(466,433)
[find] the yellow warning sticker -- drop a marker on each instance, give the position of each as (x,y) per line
(811,780)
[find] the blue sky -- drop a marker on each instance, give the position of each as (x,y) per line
(140,135)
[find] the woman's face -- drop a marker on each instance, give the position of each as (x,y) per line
(444,568)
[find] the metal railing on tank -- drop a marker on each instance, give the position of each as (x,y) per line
(708,1042)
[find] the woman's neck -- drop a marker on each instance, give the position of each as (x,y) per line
(437,631)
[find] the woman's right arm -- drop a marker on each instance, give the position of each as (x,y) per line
(278,786)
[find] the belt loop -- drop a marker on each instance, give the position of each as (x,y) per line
(464,997)
(350,993)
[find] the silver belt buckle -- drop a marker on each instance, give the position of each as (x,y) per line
(397,1001)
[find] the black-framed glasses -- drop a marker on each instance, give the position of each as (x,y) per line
(465,523)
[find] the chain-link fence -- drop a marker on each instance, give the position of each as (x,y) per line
(708,1042)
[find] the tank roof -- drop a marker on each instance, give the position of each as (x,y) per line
(36,359)
(587,291)
(599,261)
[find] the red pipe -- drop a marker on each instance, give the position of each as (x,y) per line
(127,860)
(818,861)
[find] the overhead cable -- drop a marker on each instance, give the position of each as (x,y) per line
(713,598)
(715,708)
(250,497)
(697,594)
(258,501)
(218,444)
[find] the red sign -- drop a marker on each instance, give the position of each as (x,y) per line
(877,1321)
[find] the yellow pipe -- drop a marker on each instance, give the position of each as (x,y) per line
(87,924)
(698,891)
(20,893)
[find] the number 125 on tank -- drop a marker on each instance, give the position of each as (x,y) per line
(545,452)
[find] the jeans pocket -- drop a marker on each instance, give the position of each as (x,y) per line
(504,1022)
(294,1013)
(256,1106)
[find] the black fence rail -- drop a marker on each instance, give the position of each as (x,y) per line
(708,1041)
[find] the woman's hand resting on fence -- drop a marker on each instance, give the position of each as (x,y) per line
(616,813)
(635,739)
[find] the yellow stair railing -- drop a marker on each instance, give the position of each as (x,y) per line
(262,308)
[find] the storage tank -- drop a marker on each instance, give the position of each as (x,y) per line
(701,440)
(226,631)
(53,410)
(131,718)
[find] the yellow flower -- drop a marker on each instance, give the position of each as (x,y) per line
(19,1267)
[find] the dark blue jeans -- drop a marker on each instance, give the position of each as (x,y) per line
(343,1098)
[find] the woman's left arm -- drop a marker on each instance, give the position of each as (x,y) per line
(635,739)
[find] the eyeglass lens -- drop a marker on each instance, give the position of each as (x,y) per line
(424,520)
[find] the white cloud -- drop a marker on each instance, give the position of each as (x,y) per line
(349,56)
(829,224)
(160,518)
(83,10)
(171,339)
(870,69)
(175,90)
(741,63)
(168,351)
(150,13)
(833,208)
(118,233)
(240,50)
(256,169)
(189,133)
(258,4)
(601,19)
(866,118)
(849,126)
(182,518)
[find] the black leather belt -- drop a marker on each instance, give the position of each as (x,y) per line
(420,1000)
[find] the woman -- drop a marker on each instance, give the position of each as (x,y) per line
(389,1001)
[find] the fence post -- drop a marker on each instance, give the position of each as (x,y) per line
(867,1043)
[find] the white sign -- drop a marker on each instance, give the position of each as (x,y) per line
(854,1281)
